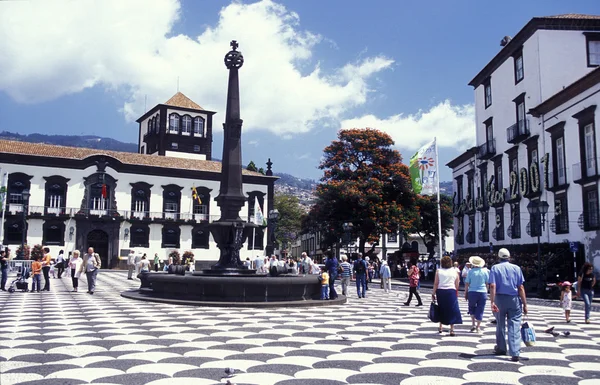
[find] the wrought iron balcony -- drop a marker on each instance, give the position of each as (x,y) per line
(487,149)
(586,171)
(518,131)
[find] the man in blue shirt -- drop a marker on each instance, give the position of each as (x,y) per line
(360,269)
(507,296)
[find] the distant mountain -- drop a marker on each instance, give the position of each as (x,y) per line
(87,141)
(292,181)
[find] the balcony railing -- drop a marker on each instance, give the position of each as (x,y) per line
(487,149)
(584,170)
(518,131)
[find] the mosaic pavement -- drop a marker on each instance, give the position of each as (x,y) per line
(75,338)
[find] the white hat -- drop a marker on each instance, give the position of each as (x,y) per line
(477,261)
(503,254)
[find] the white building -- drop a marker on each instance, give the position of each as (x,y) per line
(116,201)
(536,142)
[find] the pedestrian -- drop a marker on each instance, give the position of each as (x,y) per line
(144,266)
(247,263)
(91,265)
(332,265)
(156,262)
(507,298)
(585,285)
(75,267)
(138,258)
(476,289)
(367,262)
(52,270)
(565,299)
(445,289)
(46,261)
(360,270)
(60,263)
(191,264)
(130,264)
(386,276)
(3,268)
(413,282)
(36,273)
(346,273)
(465,270)
(324,279)
(293,267)
(306,263)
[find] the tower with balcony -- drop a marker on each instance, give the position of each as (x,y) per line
(178,128)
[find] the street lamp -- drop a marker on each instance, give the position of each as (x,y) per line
(538,210)
(25,196)
(347,227)
(273,216)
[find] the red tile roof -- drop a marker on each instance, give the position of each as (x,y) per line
(574,16)
(180,100)
(79,153)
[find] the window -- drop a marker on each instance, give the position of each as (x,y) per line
(392,237)
(561,211)
(198,126)
(561,171)
(470,186)
(99,198)
(483,183)
(485,232)
(471,232)
(174,146)
(196,148)
(498,177)
(591,216)
(157,123)
(171,201)
(200,238)
(459,188)
(54,233)
(515,220)
(519,73)
(139,235)
(13,232)
(170,236)
(186,127)
(140,199)
(17,182)
(174,124)
(499,224)
(593,49)
(520,105)
(487,90)
(489,130)
(590,150)
(253,197)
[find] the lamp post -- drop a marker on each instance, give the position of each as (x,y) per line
(273,217)
(538,209)
(25,195)
(347,227)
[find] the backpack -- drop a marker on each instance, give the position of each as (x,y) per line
(360,267)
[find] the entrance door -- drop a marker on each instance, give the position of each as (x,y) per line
(98,239)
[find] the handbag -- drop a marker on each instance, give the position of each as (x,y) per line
(528,333)
(434,312)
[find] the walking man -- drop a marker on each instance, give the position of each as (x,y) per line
(346,274)
(332,268)
(91,265)
(130,264)
(507,297)
(360,269)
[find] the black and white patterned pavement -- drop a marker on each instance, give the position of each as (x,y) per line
(75,338)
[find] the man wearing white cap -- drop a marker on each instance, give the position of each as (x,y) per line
(507,297)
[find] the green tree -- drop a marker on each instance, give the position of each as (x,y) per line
(426,224)
(251,166)
(261,170)
(364,182)
(290,218)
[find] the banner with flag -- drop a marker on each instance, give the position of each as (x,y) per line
(259,218)
(195,195)
(423,166)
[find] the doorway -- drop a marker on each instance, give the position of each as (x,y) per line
(98,239)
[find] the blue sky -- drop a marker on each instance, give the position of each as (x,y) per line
(311,68)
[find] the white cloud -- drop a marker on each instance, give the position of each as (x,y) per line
(454,126)
(53,48)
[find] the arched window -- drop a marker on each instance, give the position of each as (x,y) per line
(201,204)
(186,127)
(200,237)
(139,235)
(54,233)
(140,199)
(150,125)
(174,124)
(170,236)
(13,232)
(198,126)
(17,182)
(171,201)
(56,194)
(157,123)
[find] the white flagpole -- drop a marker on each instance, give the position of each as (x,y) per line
(439,203)
(4,184)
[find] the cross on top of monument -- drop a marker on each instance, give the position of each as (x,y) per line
(234,44)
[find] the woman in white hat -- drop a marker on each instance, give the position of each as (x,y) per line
(476,289)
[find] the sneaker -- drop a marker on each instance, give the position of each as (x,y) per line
(473,329)
(419,304)
(499,352)
(587,321)
(406,304)
(514,358)
(478,331)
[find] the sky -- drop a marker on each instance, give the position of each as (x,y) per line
(311,68)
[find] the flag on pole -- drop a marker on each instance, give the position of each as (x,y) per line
(195,195)
(423,166)
(104,191)
(3,189)
(259,218)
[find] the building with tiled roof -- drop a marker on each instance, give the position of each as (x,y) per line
(155,201)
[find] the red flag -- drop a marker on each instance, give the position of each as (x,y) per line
(104,192)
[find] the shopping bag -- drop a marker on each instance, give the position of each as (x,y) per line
(528,333)
(434,312)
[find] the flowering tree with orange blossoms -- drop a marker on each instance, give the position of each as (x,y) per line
(364,182)
(426,224)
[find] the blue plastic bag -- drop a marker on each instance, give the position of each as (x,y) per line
(528,333)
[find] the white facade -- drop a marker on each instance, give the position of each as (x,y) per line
(514,159)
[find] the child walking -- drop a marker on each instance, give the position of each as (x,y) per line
(36,272)
(324,278)
(565,299)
